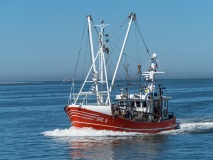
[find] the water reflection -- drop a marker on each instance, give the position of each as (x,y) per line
(134,147)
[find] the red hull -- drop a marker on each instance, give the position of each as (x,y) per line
(80,117)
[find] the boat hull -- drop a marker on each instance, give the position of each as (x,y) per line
(81,117)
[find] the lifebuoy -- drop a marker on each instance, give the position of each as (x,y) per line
(165,112)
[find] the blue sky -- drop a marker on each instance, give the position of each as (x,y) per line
(40,39)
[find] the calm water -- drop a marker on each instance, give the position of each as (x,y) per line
(33,125)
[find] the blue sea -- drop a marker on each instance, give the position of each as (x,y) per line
(33,125)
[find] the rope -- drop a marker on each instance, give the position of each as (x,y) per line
(95,27)
(136,24)
(85,58)
(120,26)
(79,51)
(72,86)
(137,46)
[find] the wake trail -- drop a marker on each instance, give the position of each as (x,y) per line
(193,127)
(86,132)
(183,128)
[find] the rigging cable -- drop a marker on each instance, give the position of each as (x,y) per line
(137,43)
(116,30)
(72,86)
(95,27)
(114,45)
(79,50)
(85,58)
(136,24)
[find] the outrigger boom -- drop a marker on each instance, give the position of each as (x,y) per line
(132,17)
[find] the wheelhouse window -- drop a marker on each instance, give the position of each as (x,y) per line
(121,103)
(166,103)
(144,103)
(132,103)
(138,104)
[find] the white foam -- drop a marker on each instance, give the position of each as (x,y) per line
(184,128)
(85,132)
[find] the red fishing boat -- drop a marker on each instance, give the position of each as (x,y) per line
(125,105)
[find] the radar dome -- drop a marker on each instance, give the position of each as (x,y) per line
(154,55)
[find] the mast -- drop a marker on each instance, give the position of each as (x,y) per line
(150,78)
(99,78)
(150,75)
(101,50)
(102,65)
(132,17)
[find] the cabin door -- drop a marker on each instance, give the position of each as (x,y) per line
(165,113)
